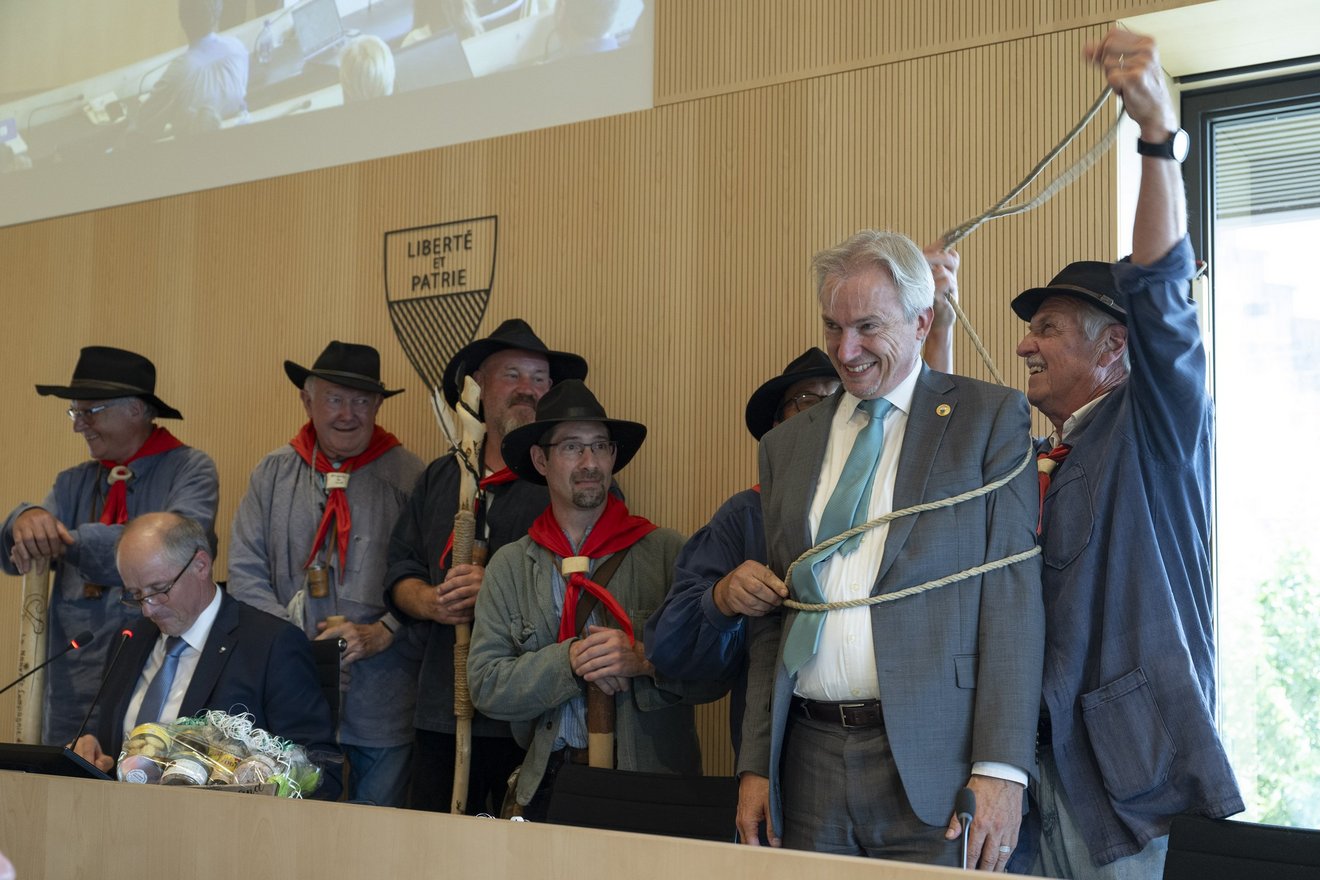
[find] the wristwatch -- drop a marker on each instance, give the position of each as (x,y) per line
(1174,148)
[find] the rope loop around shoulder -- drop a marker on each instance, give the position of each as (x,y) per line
(909,511)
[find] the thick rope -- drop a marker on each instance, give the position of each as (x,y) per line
(1003,209)
(909,511)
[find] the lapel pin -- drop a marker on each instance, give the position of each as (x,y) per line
(222,649)
(943,410)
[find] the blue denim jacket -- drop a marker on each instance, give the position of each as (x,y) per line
(1129,657)
(688,636)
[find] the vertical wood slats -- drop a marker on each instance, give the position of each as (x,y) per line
(707,48)
(669,247)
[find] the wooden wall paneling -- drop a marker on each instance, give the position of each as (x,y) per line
(708,48)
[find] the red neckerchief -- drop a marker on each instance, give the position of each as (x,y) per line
(499,478)
(336,499)
(116,500)
(615,530)
(1046,462)
(757,488)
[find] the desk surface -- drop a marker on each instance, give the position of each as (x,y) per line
(57,828)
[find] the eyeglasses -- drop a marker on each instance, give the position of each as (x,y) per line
(798,402)
(571,450)
(158,596)
(358,403)
(87,414)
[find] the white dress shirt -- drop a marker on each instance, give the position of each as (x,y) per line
(195,636)
(844,668)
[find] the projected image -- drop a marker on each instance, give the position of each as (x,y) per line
(237,101)
(308,55)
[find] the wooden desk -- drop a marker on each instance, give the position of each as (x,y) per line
(65,828)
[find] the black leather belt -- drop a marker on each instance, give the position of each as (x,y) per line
(568,755)
(860,713)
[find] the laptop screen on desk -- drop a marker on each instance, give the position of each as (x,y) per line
(317,25)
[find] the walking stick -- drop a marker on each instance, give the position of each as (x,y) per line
(600,705)
(600,728)
(469,434)
(32,633)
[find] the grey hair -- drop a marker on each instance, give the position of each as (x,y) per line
(878,248)
(182,540)
(1093,321)
(181,537)
(149,413)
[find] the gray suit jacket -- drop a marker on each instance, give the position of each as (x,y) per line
(960,666)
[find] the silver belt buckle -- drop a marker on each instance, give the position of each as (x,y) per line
(843,716)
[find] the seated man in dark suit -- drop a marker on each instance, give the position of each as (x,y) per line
(215,652)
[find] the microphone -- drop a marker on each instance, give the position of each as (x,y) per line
(964,807)
(80,640)
(114,658)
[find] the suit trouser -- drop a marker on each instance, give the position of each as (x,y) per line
(842,794)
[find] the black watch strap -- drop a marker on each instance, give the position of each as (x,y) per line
(1175,147)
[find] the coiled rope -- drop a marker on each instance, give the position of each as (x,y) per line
(1002,208)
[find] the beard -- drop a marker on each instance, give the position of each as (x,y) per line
(590,497)
(519,410)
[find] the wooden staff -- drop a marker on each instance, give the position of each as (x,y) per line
(32,633)
(600,705)
(600,728)
(469,435)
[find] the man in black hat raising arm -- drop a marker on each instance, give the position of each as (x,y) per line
(309,544)
(137,467)
(1115,362)
(561,607)
(514,369)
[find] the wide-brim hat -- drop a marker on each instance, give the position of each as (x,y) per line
(344,363)
(513,333)
(568,401)
(1090,281)
(763,405)
(103,373)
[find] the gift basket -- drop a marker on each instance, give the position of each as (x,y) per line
(217,749)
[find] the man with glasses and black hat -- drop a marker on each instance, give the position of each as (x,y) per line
(1116,364)
(560,607)
(309,544)
(136,467)
(514,368)
(198,649)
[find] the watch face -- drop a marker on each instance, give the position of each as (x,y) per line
(1180,143)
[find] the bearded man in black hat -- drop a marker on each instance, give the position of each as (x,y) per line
(137,467)
(514,369)
(561,606)
(309,544)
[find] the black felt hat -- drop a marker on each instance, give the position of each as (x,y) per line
(103,373)
(568,401)
(763,405)
(344,363)
(513,333)
(1090,281)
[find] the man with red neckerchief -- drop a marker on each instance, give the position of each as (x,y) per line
(137,467)
(309,542)
(533,654)
(513,368)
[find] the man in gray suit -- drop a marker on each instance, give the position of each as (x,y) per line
(871,719)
